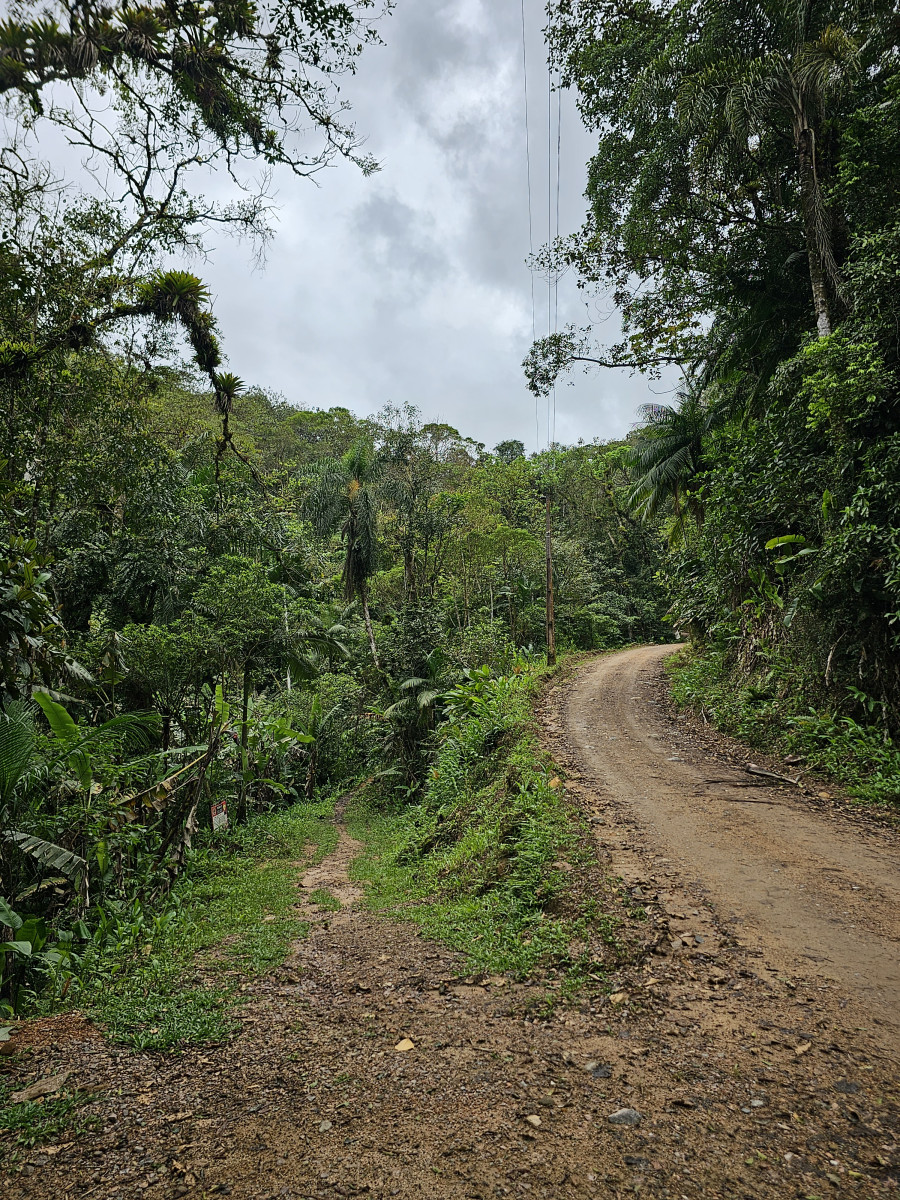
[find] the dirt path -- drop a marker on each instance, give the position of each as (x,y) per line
(817,894)
(332,874)
(743,1082)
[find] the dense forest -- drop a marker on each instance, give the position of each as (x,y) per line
(213,595)
(217,603)
(743,208)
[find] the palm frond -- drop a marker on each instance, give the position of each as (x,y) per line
(668,452)
(48,854)
(16,746)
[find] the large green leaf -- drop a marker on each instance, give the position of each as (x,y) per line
(16,746)
(23,948)
(136,730)
(62,724)
(49,854)
(35,931)
(67,732)
(8,917)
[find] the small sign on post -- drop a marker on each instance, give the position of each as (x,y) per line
(219,813)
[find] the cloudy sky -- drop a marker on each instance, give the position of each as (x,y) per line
(412,285)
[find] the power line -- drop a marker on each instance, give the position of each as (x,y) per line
(558,156)
(556,231)
(549,612)
(537,421)
(556,241)
(549,223)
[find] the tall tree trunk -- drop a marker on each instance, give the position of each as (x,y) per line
(368,621)
(245,739)
(550,613)
(409,575)
(814,229)
(310,788)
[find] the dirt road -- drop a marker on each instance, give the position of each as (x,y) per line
(715,1063)
(818,894)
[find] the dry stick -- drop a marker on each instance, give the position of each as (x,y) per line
(754,770)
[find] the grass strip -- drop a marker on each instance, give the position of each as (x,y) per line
(492,860)
(233,912)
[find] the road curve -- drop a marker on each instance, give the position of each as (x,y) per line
(818,893)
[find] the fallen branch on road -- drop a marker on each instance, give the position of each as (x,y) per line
(753,769)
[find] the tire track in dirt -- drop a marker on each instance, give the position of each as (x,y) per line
(816,894)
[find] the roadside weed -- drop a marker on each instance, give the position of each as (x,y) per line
(34,1122)
(767,711)
(236,917)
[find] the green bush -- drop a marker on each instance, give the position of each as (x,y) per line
(766,709)
(490,850)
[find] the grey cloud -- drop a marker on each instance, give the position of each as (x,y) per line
(412,285)
(399,241)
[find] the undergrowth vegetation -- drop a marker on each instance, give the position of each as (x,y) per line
(171,979)
(491,859)
(769,711)
(34,1122)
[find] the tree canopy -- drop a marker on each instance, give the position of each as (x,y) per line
(718,194)
(240,79)
(742,208)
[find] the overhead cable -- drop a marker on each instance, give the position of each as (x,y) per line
(537,423)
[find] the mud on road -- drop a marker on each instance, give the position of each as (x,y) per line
(753,1071)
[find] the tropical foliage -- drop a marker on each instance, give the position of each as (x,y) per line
(743,208)
(185,627)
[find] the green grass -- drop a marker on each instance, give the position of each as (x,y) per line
(768,711)
(230,917)
(36,1122)
(324,899)
(492,860)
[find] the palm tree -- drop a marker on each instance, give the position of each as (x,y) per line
(343,497)
(317,642)
(667,455)
(754,76)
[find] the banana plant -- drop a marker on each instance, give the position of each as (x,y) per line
(19,767)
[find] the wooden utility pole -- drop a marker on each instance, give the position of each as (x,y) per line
(550,615)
